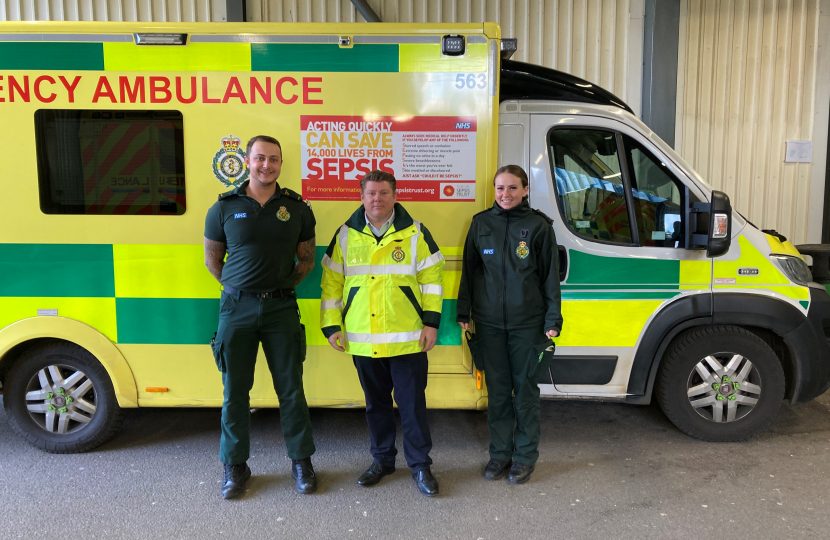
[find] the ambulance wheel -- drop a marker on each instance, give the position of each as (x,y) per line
(720,383)
(60,399)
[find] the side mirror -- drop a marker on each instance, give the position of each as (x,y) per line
(718,236)
(720,225)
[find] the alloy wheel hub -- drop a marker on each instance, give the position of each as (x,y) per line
(61,404)
(724,381)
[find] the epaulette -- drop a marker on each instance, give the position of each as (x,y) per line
(227,194)
(292,194)
(482,212)
(549,220)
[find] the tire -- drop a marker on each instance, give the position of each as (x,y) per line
(692,402)
(67,379)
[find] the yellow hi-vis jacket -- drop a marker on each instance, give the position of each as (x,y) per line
(381,293)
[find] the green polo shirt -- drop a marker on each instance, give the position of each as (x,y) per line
(261,240)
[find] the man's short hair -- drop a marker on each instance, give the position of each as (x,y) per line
(378,176)
(262,138)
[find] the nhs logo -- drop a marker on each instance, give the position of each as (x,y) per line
(240,215)
(488,251)
(463,125)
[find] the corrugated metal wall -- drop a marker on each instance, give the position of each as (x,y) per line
(746,78)
(114,10)
(588,38)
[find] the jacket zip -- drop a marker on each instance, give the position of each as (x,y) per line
(504,268)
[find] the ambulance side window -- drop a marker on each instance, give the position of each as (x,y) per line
(658,198)
(110,162)
(589,184)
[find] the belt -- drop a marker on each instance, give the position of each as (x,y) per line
(279,293)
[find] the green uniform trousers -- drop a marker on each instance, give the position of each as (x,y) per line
(513,410)
(244,323)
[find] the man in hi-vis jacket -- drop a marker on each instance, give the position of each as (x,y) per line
(382,296)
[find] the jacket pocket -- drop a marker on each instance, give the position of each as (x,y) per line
(349,299)
(544,356)
(218,354)
(302,346)
(407,291)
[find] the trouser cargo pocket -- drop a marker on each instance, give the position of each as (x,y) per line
(474,342)
(544,356)
(302,346)
(218,354)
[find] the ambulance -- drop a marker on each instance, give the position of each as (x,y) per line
(122,135)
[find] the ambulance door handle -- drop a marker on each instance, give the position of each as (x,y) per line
(563,263)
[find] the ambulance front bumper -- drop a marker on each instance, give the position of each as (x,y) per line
(809,344)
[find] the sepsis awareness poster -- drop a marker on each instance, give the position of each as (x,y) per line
(433,158)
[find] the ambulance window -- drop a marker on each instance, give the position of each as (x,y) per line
(589,184)
(658,198)
(110,162)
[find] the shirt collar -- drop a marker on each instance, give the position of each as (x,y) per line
(383,228)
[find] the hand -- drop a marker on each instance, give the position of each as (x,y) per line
(552,333)
(335,340)
(464,325)
(428,337)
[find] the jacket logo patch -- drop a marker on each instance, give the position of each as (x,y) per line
(523,233)
(522,251)
(282,214)
(490,251)
(240,215)
(398,255)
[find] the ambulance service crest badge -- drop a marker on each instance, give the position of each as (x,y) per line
(282,214)
(398,255)
(229,162)
(522,251)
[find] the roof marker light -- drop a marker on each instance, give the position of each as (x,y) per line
(160,39)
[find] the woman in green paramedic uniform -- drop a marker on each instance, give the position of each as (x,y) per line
(510,289)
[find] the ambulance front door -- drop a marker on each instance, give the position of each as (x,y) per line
(617,204)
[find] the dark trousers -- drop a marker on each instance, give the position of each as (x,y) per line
(244,323)
(513,410)
(407,376)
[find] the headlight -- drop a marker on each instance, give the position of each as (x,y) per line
(794,268)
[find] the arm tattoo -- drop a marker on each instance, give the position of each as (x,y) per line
(215,257)
(305,259)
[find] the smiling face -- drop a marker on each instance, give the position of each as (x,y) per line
(265,163)
(509,190)
(378,199)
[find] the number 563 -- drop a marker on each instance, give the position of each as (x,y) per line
(471,80)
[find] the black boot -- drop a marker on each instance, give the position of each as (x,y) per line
(427,484)
(496,469)
(520,473)
(233,480)
(303,473)
(374,473)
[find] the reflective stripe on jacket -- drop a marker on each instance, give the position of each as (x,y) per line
(382,292)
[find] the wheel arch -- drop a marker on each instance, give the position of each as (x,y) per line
(21,335)
(769,318)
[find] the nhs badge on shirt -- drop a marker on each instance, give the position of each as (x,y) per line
(488,251)
(240,215)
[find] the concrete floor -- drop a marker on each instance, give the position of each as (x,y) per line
(606,471)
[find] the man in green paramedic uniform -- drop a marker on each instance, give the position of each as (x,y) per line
(261,227)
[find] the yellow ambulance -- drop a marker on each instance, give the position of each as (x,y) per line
(124,134)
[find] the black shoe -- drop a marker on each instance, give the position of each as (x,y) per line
(303,473)
(427,484)
(374,473)
(496,469)
(233,480)
(520,473)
